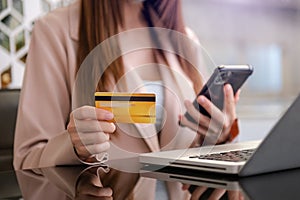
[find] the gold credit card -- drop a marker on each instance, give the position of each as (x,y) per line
(128,107)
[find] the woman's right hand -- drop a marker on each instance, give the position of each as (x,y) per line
(89,130)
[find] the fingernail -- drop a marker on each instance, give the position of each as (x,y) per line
(179,117)
(179,120)
(109,115)
(228,87)
(201,99)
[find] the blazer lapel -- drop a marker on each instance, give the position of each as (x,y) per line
(133,83)
(177,89)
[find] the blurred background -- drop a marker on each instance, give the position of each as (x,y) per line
(265,34)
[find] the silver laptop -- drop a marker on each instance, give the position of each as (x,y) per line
(278,151)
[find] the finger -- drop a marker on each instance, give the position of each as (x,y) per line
(93,149)
(96,191)
(217,119)
(89,197)
(214,112)
(237,96)
(86,126)
(234,195)
(241,196)
(211,133)
(195,114)
(207,124)
(98,148)
(217,194)
(185,186)
(88,138)
(94,138)
(89,112)
(104,192)
(198,192)
(229,102)
(207,133)
(195,127)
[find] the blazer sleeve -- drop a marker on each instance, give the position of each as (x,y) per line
(41,139)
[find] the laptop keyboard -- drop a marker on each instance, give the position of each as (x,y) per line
(233,156)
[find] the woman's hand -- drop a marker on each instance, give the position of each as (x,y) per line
(90,187)
(218,126)
(197,192)
(89,130)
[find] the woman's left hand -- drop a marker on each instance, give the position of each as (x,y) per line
(217,128)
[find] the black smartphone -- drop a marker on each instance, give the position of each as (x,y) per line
(235,75)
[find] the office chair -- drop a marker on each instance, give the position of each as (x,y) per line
(9,188)
(9,100)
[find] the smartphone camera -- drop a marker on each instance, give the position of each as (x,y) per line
(222,77)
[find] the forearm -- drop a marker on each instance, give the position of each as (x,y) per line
(57,151)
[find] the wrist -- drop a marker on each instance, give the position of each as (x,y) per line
(85,160)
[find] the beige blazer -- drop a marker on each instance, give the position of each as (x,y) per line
(41,139)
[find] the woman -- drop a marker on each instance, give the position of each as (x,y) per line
(49,132)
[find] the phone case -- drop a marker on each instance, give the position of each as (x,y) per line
(235,75)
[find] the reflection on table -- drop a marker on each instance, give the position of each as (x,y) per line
(203,185)
(110,182)
(77,182)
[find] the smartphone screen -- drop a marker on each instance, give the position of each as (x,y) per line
(235,75)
